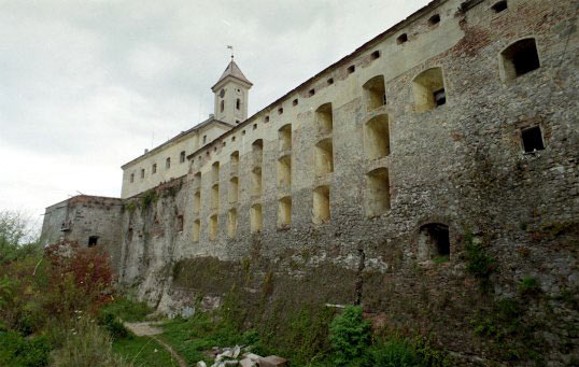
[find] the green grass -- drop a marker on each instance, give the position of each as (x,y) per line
(127,310)
(143,352)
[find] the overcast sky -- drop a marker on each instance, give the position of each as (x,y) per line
(87,85)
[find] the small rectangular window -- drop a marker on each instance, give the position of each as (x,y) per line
(154,168)
(295,102)
(434,20)
(132,179)
(375,55)
(500,6)
(351,69)
(168,163)
(403,38)
(312,92)
(280,110)
(266,119)
(330,81)
(182,157)
(142,173)
(532,139)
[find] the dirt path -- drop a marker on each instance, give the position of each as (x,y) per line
(149,329)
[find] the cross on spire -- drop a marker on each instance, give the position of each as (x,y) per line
(229,47)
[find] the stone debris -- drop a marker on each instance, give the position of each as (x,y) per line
(236,356)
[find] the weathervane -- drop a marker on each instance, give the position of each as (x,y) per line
(229,47)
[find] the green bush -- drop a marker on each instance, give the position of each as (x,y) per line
(393,353)
(17,351)
(350,336)
(127,310)
(113,325)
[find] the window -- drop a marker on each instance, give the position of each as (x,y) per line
(377,137)
(403,38)
(234,161)
(377,192)
(255,125)
(215,197)
(500,6)
(284,173)
(142,173)
(312,92)
(285,137)
(321,205)
(324,157)
(295,102)
(204,139)
(168,163)
(233,190)
(325,118)
(215,172)
(196,230)
(330,81)
(351,69)
(375,55)
(232,223)
(197,202)
(519,59)
(433,241)
(375,93)
(434,20)
(154,168)
(222,107)
(256,218)
(280,110)
(213,228)
(92,241)
(266,119)
(132,179)
(429,91)
(179,223)
(257,152)
(237,104)
(532,139)
(182,157)
(284,213)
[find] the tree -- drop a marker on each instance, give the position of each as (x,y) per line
(18,236)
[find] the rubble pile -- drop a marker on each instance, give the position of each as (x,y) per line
(238,356)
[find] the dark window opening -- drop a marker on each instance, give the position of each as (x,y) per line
(433,20)
(222,106)
(532,139)
(238,104)
(255,125)
(142,173)
(204,139)
(182,157)
(266,119)
(233,138)
(168,163)
(438,238)
(520,58)
(375,55)
(280,110)
(402,39)
(92,241)
(242,132)
(154,168)
(351,69)
(295,102)
(180,223)
(500,6)
(132,177)
(439,97)
(237,121)
(312,92)
(330,81)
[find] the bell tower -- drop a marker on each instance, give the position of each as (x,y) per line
(231,95)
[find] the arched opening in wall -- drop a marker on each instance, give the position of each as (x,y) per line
(256,179)
(324,157)
(519,59)
(233,190)
(284,173)
(284,213)
(238,104)
(213,228)
(285,137)
(429,90)
(92,241)
(377,133)
(232,223)
(375,93)
(197,202)
(321,205)
(215,172)
(215,197)
(433,241)
(182,157)
(257,151)
(168,163)
(377,192)
(234,161)
(256,218)
(196,230)
(325,118)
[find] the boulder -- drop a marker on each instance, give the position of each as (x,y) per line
(272,361)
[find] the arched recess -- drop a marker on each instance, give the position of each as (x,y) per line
(519,58)
(377,137)
(375,93)
(429,90)
(433,241)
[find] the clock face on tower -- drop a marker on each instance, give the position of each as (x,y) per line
(222,93)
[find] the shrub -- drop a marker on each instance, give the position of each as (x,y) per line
(17,351)
(350,336)
(393,353)
(479,263)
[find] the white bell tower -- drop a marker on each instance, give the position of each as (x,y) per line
(231,95)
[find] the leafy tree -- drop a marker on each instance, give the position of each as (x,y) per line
(350,336)
(18,236)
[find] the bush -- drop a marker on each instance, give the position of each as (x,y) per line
(393,353)
(350,336)
(17,351)
(115,327)
(87,345)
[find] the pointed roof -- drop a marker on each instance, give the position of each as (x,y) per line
(232,70)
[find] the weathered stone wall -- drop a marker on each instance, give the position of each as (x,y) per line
(82,217)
